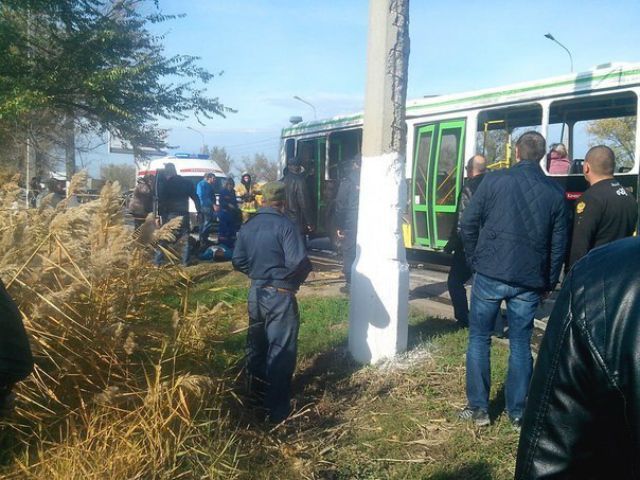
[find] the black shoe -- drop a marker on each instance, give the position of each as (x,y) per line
(479,416)
(461,324)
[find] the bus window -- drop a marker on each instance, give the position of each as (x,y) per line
(581,123)
(499,129)
(312,153)
(343,146)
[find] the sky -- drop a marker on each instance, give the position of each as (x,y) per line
(272,50)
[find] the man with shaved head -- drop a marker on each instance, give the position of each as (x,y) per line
(460,272)
(606,211)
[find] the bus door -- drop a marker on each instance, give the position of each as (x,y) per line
(436,181)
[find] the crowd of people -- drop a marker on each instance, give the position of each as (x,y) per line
(515,235)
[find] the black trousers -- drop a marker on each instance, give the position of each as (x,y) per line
(459,274)
(272,347)
(348,253)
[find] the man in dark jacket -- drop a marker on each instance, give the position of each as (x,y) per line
(346,218)
(606,211)
(270,250)
(174,193)
(582,419)
(16,362)
(298,201)
(460,272)
(515,237)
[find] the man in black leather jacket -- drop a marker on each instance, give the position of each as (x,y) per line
(298,207)
(582,419)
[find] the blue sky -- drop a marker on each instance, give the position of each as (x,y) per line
(271,50)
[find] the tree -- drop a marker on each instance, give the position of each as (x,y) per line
(124,174)
(96,64)
(617,133)
(220,156)
(260,167)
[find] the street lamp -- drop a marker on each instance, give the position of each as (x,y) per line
(201,134)
(307,103)
(552,38)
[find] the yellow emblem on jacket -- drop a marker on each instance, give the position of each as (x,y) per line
(580,207)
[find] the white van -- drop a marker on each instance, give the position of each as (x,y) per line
(190,166)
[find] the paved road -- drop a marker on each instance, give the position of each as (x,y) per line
(427,283)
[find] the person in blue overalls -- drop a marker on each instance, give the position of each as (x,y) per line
(271,251)
(206,191)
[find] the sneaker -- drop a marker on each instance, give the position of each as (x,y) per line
(479,416)
(516,423)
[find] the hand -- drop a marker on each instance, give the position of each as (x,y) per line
(340,234)
(310,228)
(448,248)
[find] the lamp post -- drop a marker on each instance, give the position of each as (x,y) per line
(307,103)
(553,39)
(201,134)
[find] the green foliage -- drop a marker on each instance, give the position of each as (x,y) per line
(260,167)
(220,156)
(125,175)
(617,133)
(97,61)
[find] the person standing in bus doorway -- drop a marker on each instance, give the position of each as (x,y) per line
(460,272)
(174,192)
(271,251)
(346,218)
(514,232)
(606,211)
(206,191)
(298,199)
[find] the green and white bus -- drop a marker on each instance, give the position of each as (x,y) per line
(597,106)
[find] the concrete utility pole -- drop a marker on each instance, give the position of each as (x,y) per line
(380,280)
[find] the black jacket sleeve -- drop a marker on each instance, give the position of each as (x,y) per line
(472,219)
(559,234)
(342,203)
(558,429)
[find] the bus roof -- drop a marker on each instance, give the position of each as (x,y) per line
(599,78)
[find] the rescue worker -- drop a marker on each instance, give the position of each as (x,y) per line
(16,361)
(298,201)
(606,211)
(460,272)
(206,191)
(174,192)
(271,251)
(141,203)
(346,218)
(249,205)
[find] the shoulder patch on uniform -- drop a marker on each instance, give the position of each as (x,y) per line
(580,207)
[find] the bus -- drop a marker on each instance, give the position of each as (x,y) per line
(444,131)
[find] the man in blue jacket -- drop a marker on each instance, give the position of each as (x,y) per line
(206,191)
(515,236)
(271,251)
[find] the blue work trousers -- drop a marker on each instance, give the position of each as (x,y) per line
(209,218)
(486,296)
(272,346)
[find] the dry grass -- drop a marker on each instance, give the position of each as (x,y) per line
(106,399)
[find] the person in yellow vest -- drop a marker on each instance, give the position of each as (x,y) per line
(250,195)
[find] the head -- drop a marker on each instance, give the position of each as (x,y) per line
(294,164)
(170,170)
(476,165)
(210,178)
(599,164)
(273,195)
(530,146)
(245,178)
(229,184)
(558,150)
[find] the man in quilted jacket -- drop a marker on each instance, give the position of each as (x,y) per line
(514,233)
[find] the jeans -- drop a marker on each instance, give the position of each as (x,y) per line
(182,231)
(486,296)
(272,346)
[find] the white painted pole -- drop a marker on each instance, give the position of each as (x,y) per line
(380,275)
